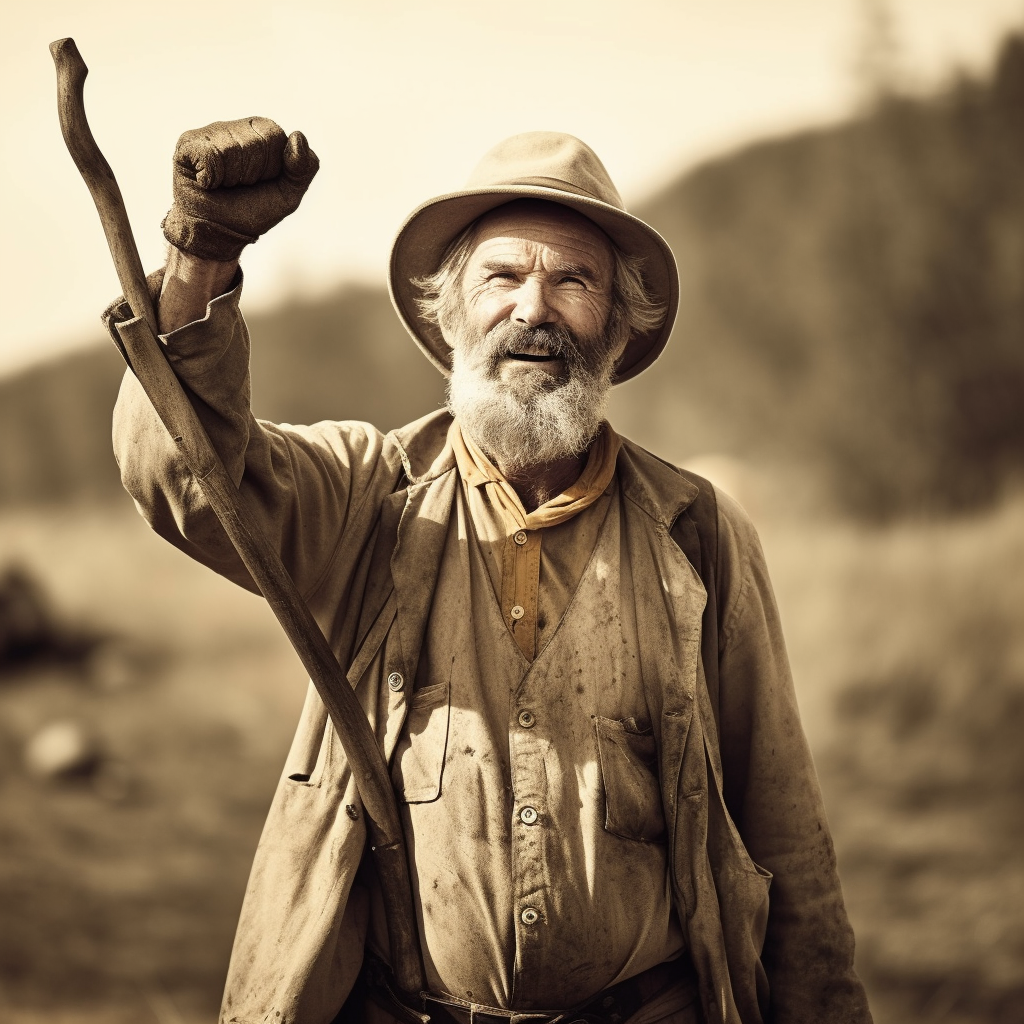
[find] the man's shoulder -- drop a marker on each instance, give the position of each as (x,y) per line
(673,482)
(416,447)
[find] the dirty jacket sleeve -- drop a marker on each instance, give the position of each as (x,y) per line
(772,794)
(310,484)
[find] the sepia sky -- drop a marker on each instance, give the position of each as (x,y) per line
(400,98)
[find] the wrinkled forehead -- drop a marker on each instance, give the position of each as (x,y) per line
(550,224)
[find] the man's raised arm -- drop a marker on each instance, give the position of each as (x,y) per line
(233,181)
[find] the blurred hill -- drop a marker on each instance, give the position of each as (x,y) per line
(345,354)
(853,297)
(851,300)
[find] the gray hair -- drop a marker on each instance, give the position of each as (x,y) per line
(633,311)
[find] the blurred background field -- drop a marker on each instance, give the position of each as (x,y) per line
(120,888)
(848,361)
(120,881)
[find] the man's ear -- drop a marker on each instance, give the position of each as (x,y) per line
(448,324)
(448,336)
(621,327)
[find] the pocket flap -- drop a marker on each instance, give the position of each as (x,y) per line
(629,771)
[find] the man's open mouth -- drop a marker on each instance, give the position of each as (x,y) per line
(533,357)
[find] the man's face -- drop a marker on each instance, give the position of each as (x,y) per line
(539,279)
(532,357)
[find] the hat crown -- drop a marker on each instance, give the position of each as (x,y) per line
(550,160)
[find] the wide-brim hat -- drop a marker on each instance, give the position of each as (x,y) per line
(535,165)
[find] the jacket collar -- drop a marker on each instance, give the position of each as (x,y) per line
(654,485)
(424,447)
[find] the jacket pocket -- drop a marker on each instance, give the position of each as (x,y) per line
(629,759)
(419,755)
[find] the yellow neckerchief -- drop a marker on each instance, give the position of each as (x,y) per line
(478,471)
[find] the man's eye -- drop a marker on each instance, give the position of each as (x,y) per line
(573,280)
(502,275)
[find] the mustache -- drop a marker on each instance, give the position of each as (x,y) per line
(508,338)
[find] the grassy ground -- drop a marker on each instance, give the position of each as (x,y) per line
(119,902)
(124,903)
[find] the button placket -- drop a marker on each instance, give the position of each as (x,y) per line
(520,581)
(527,747)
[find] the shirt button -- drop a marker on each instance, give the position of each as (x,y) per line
(526,719)
(529,916)
(528,815)
(520,537)
(518,611)
(395,681)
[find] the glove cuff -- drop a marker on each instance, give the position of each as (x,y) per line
(203,239)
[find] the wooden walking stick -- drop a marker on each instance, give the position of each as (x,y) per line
(144,355)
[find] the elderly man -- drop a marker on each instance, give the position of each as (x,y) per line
(568,649)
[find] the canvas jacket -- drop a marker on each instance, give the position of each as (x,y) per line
(360,519)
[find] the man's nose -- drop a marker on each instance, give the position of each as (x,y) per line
(531,304)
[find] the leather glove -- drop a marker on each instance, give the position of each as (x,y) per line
(234,180)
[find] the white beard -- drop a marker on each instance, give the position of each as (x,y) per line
(533,421)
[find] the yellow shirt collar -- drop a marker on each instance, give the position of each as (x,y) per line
(478,471)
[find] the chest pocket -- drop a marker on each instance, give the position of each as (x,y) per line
(629,760)
(419,756)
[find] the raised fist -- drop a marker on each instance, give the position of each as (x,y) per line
(233,180)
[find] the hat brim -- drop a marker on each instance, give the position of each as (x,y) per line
(422,240)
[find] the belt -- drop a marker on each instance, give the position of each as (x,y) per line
(613,1005)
